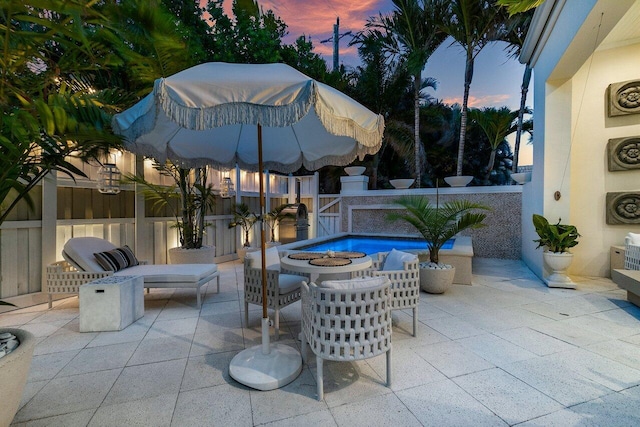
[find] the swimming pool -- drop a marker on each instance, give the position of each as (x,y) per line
(372,244)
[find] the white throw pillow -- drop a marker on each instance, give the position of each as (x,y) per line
(632,239)
(358,283)
(396,259)
(272,259)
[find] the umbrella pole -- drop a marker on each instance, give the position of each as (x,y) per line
(265,316)
(267,366)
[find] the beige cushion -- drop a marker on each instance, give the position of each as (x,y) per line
(170,273)
(272,259)
(289,282)
(357,283)
(79,252)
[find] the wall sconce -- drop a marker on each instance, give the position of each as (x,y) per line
(226,188)
(109,178)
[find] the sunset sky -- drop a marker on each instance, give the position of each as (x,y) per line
(496,80)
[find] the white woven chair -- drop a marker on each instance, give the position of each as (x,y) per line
(632,252)
(80,266)
(283,287)
(405,284)
(347,320)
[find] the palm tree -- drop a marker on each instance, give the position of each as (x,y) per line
(472,24)
(496,123)
(519,6)
(49,108)
(412,33)
(516,31)
(437,224)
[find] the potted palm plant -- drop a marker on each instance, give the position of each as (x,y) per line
(245,219)
(274,217)
(437,224)
(190,198)
(557,239)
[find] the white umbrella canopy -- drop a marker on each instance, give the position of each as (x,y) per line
(260,117)
(208,114)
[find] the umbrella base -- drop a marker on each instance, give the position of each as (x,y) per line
(265,372)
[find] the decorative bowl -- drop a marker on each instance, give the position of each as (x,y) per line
(458,181)
(355,170)
(521,177)
(401,183)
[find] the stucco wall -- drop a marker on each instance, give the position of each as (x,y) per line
(501,238)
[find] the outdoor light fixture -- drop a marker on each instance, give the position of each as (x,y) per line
(226,188)
(109,178)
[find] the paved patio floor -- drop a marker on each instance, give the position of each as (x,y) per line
(504,351)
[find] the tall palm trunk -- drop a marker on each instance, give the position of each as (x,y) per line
(492,160)
(186,234)
(526,78)
(468,76)
(416,127)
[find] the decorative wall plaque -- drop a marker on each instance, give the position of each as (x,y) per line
(624,98)
(623,153)
(623,208)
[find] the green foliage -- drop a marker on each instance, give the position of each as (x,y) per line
(245,219)
(436,223)
(190,199)
(276,215)
(555,237)
(519,6)
(50,109)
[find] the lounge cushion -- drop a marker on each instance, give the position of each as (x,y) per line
(79,252)
(358,283)
(116,259)
(395,260)
(272,259)
(170,273)
(289,282)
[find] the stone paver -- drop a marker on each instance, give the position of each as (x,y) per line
(506,350)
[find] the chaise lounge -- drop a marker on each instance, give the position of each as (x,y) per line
(81,266)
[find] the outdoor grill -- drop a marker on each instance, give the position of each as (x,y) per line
(296,226)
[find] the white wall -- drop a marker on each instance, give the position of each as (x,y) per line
(590,178)
(571,129)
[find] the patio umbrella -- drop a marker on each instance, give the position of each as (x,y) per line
(260,117)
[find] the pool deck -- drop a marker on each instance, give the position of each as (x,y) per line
(505,351)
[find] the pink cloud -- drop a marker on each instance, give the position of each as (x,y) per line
(497,100)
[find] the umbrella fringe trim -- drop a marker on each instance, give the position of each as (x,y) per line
(347,127)
(234,113)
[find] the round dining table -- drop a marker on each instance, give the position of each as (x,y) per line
(320,273)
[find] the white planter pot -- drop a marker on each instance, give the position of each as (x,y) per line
(354,170)
(14,368)
(272,244)
(558,262)
(401,184)
(203,255)
(458,181)
(521,177)
(436,280)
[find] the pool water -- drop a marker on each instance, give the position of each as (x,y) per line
(372,245)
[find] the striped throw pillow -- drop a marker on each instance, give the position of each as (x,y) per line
(116,259)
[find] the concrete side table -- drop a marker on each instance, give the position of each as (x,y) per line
(111,303)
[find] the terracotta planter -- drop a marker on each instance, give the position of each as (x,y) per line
(203,255)
(436,280)
(14,369)
(558,262)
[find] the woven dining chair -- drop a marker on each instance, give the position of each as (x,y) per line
(346,320)
(405,283)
